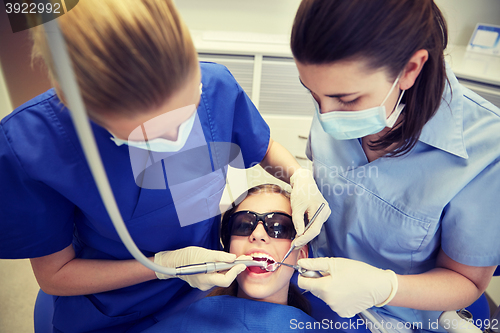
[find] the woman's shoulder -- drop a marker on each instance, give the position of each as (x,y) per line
(32,112)
(38,131)
(463,122)
(475,102)
(214,74)
(458,96)
(480,122)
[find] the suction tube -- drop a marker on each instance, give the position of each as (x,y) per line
(80,120)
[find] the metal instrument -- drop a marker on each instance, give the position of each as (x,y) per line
(292,247)
(305,272)
(209,267)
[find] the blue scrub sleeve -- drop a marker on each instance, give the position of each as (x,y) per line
(232,115)
(250,130)
(35,220)
(470,229)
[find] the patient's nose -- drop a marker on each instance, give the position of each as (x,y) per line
(259,233)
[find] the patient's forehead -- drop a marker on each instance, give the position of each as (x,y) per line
(266,202)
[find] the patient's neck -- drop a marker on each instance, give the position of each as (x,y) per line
(280,297)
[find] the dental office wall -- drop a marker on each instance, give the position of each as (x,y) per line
(19,83)
(276,16)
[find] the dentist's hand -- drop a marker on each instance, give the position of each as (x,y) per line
(197,255)
(351,287)
(306,197)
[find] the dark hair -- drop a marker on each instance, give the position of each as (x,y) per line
(295,297)
(386,34)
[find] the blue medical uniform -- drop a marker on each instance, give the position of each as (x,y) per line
(49,199)
(220,314)
(396,213)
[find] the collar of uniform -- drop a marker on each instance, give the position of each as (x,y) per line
(445,130)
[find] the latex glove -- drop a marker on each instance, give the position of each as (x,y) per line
(198,255)
(306,197)
(351,287)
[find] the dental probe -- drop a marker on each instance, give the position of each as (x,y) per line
(209,267)
(305,272)
(292,247)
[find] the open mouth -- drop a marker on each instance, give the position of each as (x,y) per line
(261,257)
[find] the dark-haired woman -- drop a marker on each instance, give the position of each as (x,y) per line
(408,159)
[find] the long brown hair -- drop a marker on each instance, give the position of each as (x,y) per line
(295,297)
(386,34)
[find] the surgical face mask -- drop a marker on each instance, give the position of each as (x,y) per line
(161,144)
(346,125)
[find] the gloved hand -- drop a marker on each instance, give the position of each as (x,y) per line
(198,255)
(351,287)
(306,197)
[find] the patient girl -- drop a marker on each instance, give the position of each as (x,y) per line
(261,227)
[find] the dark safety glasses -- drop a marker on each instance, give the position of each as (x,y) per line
(277,225)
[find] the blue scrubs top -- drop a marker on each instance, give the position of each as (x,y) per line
(396,213)
(49,199)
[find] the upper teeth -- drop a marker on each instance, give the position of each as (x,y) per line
(262,255)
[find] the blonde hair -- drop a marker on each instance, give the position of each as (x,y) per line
(127,55)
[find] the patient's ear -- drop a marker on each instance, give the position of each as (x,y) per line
(303,252)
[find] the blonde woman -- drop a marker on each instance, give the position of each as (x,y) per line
(138,73)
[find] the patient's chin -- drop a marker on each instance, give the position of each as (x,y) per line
(273,289)
(258,294)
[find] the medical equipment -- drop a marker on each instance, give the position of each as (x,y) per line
(347,125)
(302,271)
(209,267)
(292,247)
